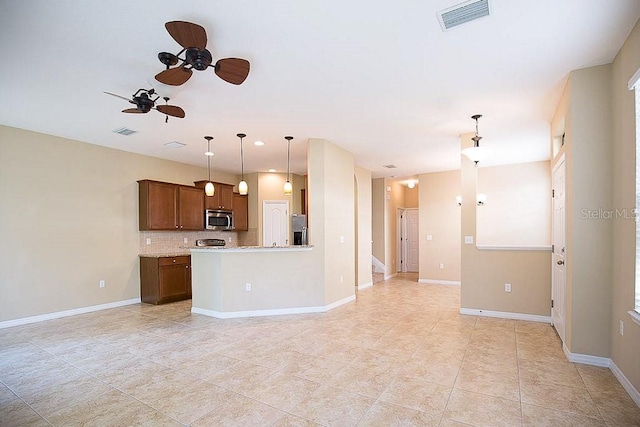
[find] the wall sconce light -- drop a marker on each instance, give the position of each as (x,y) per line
(411,184)
(481,199)
(476,153)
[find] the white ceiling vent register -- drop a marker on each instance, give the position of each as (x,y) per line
(124,131)
(463,13)
(174,144)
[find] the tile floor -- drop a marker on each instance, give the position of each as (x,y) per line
(401,354)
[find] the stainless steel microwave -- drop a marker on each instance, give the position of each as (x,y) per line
(218,220)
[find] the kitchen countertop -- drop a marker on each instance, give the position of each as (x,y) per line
(252,248)
(163,255)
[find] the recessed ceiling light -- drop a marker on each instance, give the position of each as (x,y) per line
(258,143)
(124,131)
(272,170)
(174,144)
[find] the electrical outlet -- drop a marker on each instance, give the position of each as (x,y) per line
(247,287)
(148,240)
(185,240)
(507,287)
(230,239)
(102,283)
(341,279)
(441,265)
(468,240)
(429,237)
(621,327)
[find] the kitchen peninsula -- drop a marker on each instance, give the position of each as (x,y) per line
(255,281)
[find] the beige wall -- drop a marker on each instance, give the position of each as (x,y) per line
(439,218)
(377,218)
(411,197)
(585,111)
(269,186)
(394,199)
(518,207)
(624,349)
(69,218)
(363,226)
(330,185)
(484,273)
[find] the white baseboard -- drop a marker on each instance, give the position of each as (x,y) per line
(604,362)
(365,286)
(633,392)
(66,313)
(439,282)
(271,312)
(506,315)
(586,359)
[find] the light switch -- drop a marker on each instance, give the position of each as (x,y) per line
(429,237)
(468,240)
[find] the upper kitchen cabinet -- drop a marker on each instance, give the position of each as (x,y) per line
(240,212)
(165,206)
(222,197)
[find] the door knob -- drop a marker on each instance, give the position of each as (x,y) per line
(560,262)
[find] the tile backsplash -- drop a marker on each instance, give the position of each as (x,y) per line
(171,242)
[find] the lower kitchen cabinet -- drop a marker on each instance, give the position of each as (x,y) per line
(165,279)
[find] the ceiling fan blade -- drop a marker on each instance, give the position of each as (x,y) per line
(171,110)
(187,34)
(133,110)
(118,96)
(232,70)
(174,76)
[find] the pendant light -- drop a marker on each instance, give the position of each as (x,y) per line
(476,153)
(209,189)
(243,188)
(288,188)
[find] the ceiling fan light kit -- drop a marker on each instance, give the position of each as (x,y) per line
(193,39)
(145,101)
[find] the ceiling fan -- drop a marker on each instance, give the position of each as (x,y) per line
(193,39)
(145,101)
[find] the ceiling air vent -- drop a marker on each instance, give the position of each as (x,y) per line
(124,131)
(174,144)
(463,13)
(390,166)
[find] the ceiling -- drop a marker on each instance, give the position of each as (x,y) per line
(380,79)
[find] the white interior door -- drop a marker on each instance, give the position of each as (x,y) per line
(275,223)
(412,258)
(558,287)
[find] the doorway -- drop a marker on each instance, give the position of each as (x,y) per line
(407,244)
(558,271)
(275,223)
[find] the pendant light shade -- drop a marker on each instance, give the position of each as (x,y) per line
(288,188)
(209,189)
(243,187)
(476,153)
